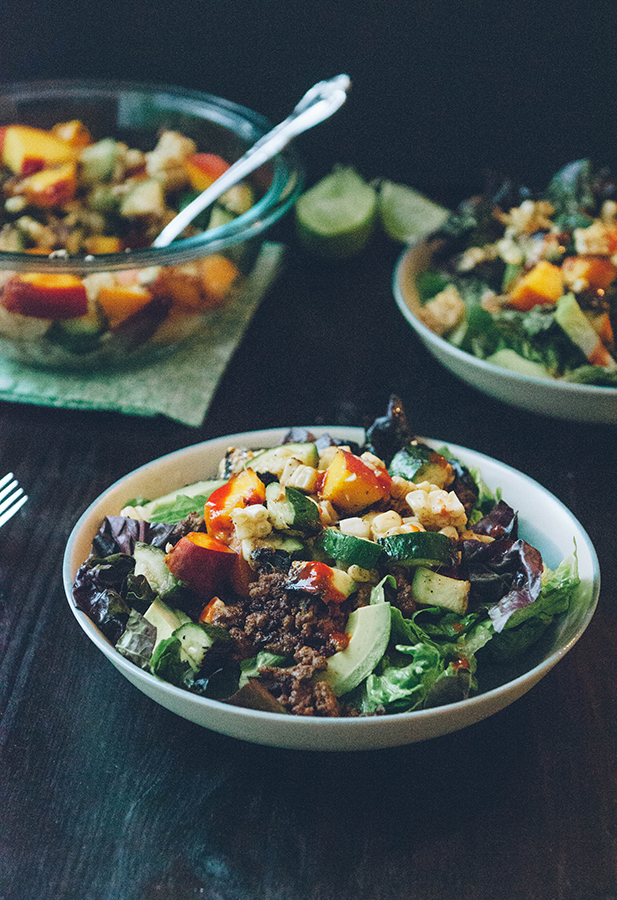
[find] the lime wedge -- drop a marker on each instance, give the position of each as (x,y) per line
(405,214)
(336,217)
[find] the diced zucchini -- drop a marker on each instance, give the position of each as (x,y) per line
(290,508)
(430,588)
(146,199)
(80,335)
(195,643)
(150,562)
(350,550)
(274,459)
(98,161)
(418,548)
(274,541)
(332,584)
(418,462)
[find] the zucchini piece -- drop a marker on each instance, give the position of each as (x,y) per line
(97,161)
(275,459)
(418,548)
(79,335)
(290,508)
(350,550)
(150,562)
(418,462)
(289,544)
(432,589)
(196,641)
(332,584)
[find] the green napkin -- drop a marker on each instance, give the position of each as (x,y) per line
(180,387)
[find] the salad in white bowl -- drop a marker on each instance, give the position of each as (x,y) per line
(327,578)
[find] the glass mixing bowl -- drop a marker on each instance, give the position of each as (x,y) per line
(155,298)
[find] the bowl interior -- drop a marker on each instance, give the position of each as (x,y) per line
(577,402)
(544,520)
(135,113)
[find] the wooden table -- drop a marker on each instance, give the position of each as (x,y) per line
(106,796)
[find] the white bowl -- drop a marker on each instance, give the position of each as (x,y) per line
(544,521)
(560,399)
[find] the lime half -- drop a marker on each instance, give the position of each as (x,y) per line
(405,214)
(336,217)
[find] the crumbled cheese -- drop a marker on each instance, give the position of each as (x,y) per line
(592,240)
(444,312)
(251,522)
(531,216)
(437,508)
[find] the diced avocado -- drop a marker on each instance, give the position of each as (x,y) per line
(98,161)
(290,508)
(219,216)
(274,460)
(349,549)
(418,548)
(510,359)
(237,199)
(432,589)
(146,199)
(369,628)
(164,619)
(150,562)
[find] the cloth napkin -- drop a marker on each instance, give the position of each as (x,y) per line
(179,387)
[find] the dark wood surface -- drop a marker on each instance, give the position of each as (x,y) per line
(106,796)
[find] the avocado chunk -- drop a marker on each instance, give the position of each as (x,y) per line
(164,619)
(369,627)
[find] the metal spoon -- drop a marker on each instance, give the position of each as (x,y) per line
(323,99)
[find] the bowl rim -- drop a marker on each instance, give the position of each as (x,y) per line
(287,182)
(429,337)
(515,686)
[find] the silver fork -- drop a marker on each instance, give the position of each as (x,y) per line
(12,498)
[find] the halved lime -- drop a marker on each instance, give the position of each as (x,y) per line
(407,215)
(336,217)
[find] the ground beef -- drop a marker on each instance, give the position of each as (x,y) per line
(404,593)
(294,688)
(282,621)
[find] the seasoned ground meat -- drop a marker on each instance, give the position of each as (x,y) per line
(282,621)
(404,593)
(295,690)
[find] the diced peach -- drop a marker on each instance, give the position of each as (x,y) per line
(182,284)
(45,296)
(351,485)
(103,243)
(74,133)
(27,150)
(50,187)
(201,562)
(242,490)
(120,302)
(542,284)
(204,168)
(218,275)
(596,272)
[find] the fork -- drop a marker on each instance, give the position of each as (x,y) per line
(12,498)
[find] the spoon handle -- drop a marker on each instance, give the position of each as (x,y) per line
(320,102)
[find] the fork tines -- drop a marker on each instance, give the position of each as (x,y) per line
(12,497)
